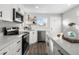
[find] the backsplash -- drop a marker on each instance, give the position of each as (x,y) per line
(8,24)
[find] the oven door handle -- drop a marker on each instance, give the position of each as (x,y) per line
(25,36)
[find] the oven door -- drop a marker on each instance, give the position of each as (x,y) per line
(25,43)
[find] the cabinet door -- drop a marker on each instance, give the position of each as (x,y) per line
(17,47)
(6,12)
(33,37)
(58,50)
(17,50)
(50,44)
(6,51)
(3,52)
(55,49)
(13,49)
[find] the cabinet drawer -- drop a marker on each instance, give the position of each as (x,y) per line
(19,51)
(15,45)
(11,49)
(19,42)
(5,51)
(15,49)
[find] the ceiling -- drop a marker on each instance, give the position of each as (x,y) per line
(49,8)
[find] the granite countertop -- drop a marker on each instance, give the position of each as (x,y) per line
(71,48)
(7,40)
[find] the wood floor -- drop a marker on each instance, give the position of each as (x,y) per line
(40,48)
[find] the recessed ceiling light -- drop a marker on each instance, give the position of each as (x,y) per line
(37,7)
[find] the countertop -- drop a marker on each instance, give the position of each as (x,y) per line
(32,30)
(7,40)
(71,48)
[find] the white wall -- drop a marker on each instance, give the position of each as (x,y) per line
(53,23)
(71,16)
(48,16)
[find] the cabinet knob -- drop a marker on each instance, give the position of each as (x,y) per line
(60,52)
(18,50)
(18,41)
(4,53)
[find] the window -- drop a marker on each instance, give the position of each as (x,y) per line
(41,20)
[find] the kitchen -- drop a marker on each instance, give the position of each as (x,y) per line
(39,29)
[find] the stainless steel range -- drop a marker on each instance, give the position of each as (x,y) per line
(25,43)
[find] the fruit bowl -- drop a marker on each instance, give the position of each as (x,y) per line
(70,40)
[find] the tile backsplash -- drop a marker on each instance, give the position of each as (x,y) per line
(8,24)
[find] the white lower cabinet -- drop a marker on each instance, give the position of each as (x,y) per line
(54,48)
(33,37)
(5,51)
(57,50)
(14,49)
(50,46)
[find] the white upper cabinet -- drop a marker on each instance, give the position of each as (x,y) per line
(7,14)
(7,11)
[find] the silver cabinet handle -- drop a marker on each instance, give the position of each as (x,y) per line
(18,50)
(18,41)
(4,53)
(60,52)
